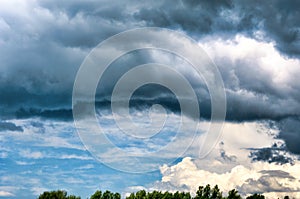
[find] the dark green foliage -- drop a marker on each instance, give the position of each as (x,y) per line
(216,193)
(97,195)
(73,197)
(208,193)
(131,196)
(59,194)
(202,193)
(233,194)
(256,196)
(159,195)
(141,194)
(106,195)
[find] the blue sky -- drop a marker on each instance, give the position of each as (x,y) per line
(32,163)
(255,47)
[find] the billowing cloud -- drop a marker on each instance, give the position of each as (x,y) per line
(230,167)
(256,46)
(51,40)
(259,80)
(270,179)
(228,18)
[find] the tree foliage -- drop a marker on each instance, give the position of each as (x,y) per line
(159,195)
(257,196)
(202,193)
(208,193)
(106,195)
(233,194)
(59,194)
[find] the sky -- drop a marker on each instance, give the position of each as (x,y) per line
(255,45)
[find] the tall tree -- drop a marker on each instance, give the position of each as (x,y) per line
(208,193)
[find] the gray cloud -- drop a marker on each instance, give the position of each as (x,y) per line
(268,182)
(275,154)
(54,114)
(278,20)
(289,132)
(51,40)
(224,156)
(9,126)
(44,43)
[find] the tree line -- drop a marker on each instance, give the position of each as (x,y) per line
(206,192)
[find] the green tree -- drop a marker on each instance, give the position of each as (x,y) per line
(117,196)
(167,195)
(108,195)
(73,197)
(199,193)
(184,195)
(97,195)
(131,196)
(216,193)
(140,194)
(256,196)
(176,195)
(59,194)
(233,194)
(208,193)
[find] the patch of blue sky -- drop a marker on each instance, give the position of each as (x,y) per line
(30,165)
(153,143)
(72,175)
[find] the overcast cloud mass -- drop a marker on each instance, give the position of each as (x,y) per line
(255,44)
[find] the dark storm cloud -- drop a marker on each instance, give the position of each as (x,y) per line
(42,46)
(44,43)
(277,20)
(290,133)
(54,114)
(275,154)
(197,17)
(147,95)
(9,126)
(250,108)
(86,24)
(36,74)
